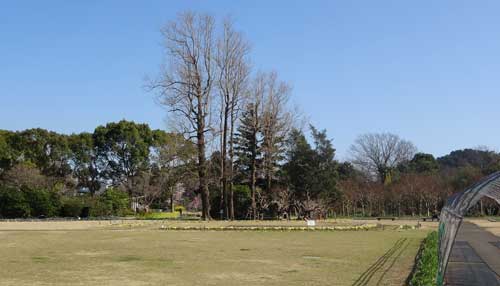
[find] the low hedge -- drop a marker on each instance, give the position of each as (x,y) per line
(426,266)
(272,228)
(159,215)
(29,203)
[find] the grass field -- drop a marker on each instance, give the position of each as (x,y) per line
(104,253)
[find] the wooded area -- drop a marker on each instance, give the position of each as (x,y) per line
(43,173)
(236,149)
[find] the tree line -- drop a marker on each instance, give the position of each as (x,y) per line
(215,99)
(44,173)
(236,149)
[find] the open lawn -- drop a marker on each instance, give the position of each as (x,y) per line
(105,253)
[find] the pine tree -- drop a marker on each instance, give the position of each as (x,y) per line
(248,147)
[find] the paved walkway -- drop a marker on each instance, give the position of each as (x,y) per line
(475,258)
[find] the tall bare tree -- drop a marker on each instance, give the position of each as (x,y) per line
(276,122)
(185,85)
(378,153)
(233,70)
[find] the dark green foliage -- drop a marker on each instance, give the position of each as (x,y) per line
(242,201)
(486,161)
(425,273)
(7,153)
(123,149)
(48,150)
(84,160)
(13,203)
(113,202)
(300,165)
(312,173)
(117,200)
(42,202)
(72,207)
(346,171)
(26,202)
(248,143)
(325,171)
(423,163)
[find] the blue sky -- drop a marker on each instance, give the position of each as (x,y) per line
(428,71)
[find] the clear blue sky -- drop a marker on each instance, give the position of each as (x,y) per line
(426,70)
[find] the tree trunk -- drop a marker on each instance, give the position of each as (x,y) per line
(172,207)
(253,177)
(221,179)
(253,166)
(202,168)
(224,160)
(231,160)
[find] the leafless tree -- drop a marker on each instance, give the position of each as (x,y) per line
(233,70)
(185,86)
(378,153)
(25,175)
(276,122)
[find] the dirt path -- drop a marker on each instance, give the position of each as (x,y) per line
(475,258)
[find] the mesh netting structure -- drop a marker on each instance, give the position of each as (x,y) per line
(455,209)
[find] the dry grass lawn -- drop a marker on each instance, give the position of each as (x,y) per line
(105,253)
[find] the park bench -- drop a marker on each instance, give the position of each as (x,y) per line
(386,218)
(432,218)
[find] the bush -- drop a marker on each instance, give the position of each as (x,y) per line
(116,200)
(98,207)
(427,262)
(42,202)
(13,203)
(180,209)
(72,207)
(111,203)
(160,215)
(27,202)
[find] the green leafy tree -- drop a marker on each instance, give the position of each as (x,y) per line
(13,203)
(325,172)
(300,166)
(174,162)
(48,150)
(42,202)
(421,163)
(485,160)
(8,155)
(312,173)
(248,149)
(84,160)
(117,200)
(123,150)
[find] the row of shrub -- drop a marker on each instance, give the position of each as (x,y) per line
(35,203)
(159,215)
(426,267)
(273,228)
